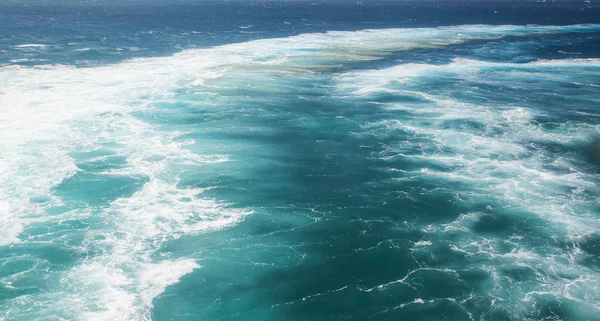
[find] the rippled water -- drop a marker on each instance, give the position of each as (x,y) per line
(377,172)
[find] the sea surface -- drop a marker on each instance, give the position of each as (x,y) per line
(299,160)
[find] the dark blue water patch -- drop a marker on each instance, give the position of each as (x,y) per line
(591,246)
(519,273)
(509,49)
(576,149)
(490,309)
(389,97)
(335,233)
(464,125)
(127,30)
(232,181)
(56,254)
(491,223)
(426,312)
(347,303)
(438,284)
(562,103)
(266,225)
(102,160)
(579,153)
(262,288)
(88,189)
(592,149)
(528,48)
(550,308)
(261,113)
(7,293)
(103,164)
(69,232)
(534,233)
(567,46)
(25,276)
(440,254)
(200,303)
(18,265)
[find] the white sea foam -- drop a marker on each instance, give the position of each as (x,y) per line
(156,277)
(31,45)
(423,243)
(157,213)
(71,110)
(495,160)
(9,225)
(567,62)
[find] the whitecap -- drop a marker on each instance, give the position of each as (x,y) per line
(31,45)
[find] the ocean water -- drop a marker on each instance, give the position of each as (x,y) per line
(297,160)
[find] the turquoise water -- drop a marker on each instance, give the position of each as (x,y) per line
(441,172)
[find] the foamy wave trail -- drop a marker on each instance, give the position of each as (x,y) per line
(104,169)
(516,163)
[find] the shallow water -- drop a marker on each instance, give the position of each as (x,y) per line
(296,164)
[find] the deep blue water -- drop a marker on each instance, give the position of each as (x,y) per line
(297,160)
